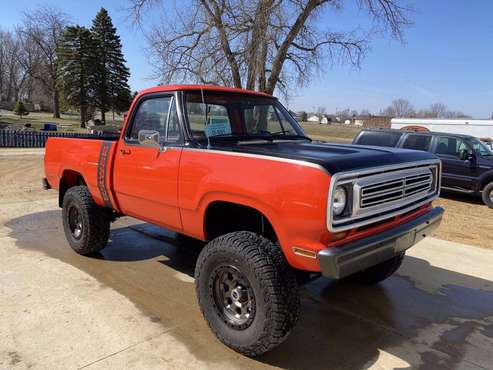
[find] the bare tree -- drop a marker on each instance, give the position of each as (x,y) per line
(260,44)
(12,76)
(399,108)
(455,115)
(321,112)
(436,110)
(343,114)
(41,29)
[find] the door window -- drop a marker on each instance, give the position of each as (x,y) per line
(417,142)
(157,114)
(450,146)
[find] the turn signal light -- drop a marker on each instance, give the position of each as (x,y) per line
(304,252)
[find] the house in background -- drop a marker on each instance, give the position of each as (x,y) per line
(313,119)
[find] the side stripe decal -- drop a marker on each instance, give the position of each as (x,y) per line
(102,172)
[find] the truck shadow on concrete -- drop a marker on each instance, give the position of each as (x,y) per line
(424,316)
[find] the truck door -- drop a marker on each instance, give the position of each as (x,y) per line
(146,174)
(456,173)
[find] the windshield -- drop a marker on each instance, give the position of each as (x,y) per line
(238,116)
(482,149)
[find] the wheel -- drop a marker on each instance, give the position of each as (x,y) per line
(488,195)
(247,292)
(86,225)
(380,272)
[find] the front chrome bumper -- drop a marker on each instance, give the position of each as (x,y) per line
(339,262)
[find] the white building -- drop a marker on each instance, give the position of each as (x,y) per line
(313,119)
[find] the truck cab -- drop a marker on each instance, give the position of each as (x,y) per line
(233,168)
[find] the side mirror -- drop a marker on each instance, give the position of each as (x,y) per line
(149,137)
(465,155)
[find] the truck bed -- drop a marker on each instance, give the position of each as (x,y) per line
(91,157)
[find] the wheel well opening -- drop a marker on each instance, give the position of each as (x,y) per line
(225,217)
(488,180)
(69,179)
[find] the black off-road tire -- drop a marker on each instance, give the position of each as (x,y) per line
(94,220)
(380,272)
(272,281)
(488,195)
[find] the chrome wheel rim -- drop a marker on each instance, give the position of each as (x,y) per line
(75,222)
(233,297)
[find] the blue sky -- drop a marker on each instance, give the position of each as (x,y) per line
(447,57)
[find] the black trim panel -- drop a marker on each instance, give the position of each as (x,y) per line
(103,171)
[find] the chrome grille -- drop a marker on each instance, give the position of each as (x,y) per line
(383,192)
(392,190)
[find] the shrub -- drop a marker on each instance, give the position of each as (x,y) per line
(20,109)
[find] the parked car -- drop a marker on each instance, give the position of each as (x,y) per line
(467,161)
(232,168)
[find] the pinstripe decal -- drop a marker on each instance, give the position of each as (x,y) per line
(261,156)
(102,172)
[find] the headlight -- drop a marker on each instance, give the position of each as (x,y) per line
(339,201)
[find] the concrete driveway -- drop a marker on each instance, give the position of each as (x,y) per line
(134,306)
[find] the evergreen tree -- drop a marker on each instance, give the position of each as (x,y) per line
(111,90)
(20,109)
(77,69)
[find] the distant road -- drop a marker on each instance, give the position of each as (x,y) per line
(21,151)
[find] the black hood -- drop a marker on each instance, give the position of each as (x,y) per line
(333,157)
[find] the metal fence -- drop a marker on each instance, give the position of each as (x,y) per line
(34,139)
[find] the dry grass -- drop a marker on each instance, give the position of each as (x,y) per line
(466,220)
(336,133)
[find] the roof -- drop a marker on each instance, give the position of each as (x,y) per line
(417,132)
(165,88)
(439,121)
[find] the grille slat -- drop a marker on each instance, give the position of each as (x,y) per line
(392,190)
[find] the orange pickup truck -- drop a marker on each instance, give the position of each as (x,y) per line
(234,169)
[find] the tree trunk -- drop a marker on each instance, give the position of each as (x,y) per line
(223,38)
(280,58)
(83,115)
(103,116)
(56,103)
(257,43)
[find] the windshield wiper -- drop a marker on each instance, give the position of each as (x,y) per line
(284,134)
(264,135)
(239,137)
(281,135)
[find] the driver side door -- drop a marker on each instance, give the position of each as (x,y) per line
(456,173)
(146,175)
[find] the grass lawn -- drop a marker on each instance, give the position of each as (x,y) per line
(37,119)
(335,133)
